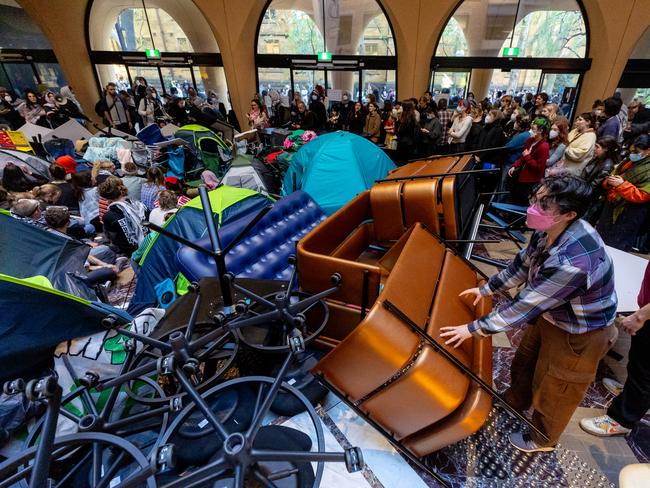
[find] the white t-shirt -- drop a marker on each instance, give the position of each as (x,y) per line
(157,215)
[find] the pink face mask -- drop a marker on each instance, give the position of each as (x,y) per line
(539,219)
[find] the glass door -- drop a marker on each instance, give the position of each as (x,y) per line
(562,89)
(514,82)
(451,83)
(305,80)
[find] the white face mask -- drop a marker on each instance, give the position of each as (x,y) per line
(314,97)
(345,98)
(553,134)
(532,133)
(489,119)
(513,117)
(8,98)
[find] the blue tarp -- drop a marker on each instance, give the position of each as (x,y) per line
(336,167)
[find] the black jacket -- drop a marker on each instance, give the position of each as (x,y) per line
(356,122)
(595,173)
(491,135)
(434,135)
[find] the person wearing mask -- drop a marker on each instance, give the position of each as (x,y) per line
(580,148)
(528,170)
(611,125)
(8,114)
(558,138)
(150,109)
(257,119)
(460,127)
(628,198)
(346,107)
(86,194)
(597,170)
(115,110)
(304,119)
(357,119)
(317,107)
(509,121)
(567,296)
(152,187)
(491,136)
(431,131)
(123,218)
(471,142)
(372,126)
(632,400)
(67,110)
(406,133)
(32,111)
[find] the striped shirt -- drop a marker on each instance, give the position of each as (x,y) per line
(571,284)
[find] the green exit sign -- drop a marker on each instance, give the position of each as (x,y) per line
(324,56)
(511,52)
(152,53)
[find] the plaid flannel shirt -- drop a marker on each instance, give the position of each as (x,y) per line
(571,284)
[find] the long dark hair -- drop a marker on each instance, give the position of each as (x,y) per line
(611,147)
(80,181)
(155,176)
(408,112)
(13,179)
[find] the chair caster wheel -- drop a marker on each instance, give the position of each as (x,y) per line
(296,342)
(336,279)
(165,458)
(14,387)
(354,459)
(110,322)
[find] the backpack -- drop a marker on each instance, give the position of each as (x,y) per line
(100,107)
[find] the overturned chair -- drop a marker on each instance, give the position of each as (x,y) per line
(392,375)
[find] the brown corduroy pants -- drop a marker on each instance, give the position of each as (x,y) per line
(551,371)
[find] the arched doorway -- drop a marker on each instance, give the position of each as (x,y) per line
(168,42)
(513,47)
(355,40)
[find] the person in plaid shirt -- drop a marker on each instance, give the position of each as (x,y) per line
(567,297)
(444,114)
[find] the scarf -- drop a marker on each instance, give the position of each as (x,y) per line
(131,224)
(639,175)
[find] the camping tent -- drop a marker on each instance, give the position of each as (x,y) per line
(158,262)
(205,145)
(37,165)
(245,171)
(336,167)
(36,317)
(28,250)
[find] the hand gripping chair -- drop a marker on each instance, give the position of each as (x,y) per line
(414,394)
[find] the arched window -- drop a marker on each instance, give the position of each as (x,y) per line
(635,80)
(513,46)
(185,52)
(354,39)
(27,59)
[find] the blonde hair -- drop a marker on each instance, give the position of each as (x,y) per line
(47,193)
(99,165)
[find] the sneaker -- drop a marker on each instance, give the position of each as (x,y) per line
(603,426)
(613,386)
(523,442)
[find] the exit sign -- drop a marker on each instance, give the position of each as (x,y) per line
(152,53)
(324,56)
(511,52)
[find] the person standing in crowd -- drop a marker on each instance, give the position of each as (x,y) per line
(317,107)
(541,99)
(606,157)
(444,114)
(372,126)
(152,187)
(390,127)
(528,104)
(569,300)
(357,119)
(67,110)
(334,121)
(471,142)
(580,149)
(528,170)
(149,107)
(558,139)
(611,125)
(406,133)
(551,111)
(491,136)
(431,131)
(460,127)
(632,400)
(304,119)
(123,218)
(257,119)
(8,113)
(32,111)
(626,211)
(115,110)
(345,109)
(177,110)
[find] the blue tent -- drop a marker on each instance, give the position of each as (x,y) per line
(336,167)
(158,263)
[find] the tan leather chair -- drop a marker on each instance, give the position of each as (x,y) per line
(399,380)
